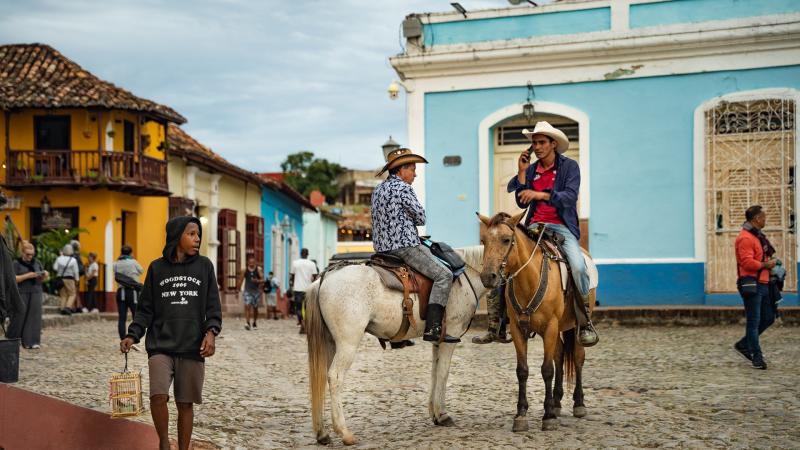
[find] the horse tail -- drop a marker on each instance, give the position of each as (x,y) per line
(321,349)
(568,355)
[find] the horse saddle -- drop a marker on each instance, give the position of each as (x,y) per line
(553,243)
(397,275)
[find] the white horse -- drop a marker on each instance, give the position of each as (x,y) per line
(354,300)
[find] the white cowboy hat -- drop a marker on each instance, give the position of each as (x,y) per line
(400,157)
(550,131)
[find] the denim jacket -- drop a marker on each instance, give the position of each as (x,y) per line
(564,196)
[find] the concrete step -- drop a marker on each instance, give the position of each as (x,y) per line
(57,320)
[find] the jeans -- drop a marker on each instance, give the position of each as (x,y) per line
(422,260)
(125,300)
(574,255)
(760,315)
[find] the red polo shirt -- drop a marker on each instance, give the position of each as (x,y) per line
(544,181)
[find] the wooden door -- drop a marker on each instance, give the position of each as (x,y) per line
(750,150)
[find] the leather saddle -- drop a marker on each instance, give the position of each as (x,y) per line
(397,275)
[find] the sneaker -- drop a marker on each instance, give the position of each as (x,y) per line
(86,310)
(95,310)
(743,352)
(247,327)
(36,347)
(254,325)
(65,312)
(758,363)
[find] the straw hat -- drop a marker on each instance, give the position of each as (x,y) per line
(548,130)
(399,157)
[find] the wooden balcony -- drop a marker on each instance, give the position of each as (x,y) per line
(118,171)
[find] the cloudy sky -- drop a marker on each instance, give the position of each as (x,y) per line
(256,80)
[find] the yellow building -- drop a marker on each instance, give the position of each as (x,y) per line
(227,199)
(90,152)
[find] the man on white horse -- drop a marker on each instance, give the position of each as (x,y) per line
(396,213)
(549,187)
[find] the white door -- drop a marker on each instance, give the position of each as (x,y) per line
(749,161)
(277,256)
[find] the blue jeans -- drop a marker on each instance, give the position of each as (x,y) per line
(760,315)
(572,250)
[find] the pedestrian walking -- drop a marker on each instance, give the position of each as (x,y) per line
(126,273)
(754,260)
(301,275)
(30,275)
(181,313)
(79,301)
(66,267)
(252,277)
(271,294)
(92,272)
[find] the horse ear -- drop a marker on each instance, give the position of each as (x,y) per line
(485,220)
(515,220)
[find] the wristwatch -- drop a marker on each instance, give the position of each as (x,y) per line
(214,331)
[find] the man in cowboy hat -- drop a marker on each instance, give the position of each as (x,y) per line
(396,214)
(550,187)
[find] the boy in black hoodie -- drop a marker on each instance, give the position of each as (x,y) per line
(180,309)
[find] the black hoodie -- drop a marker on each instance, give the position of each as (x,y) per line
(179,301)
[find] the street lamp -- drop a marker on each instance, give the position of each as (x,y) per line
(45,205)
(285,225)
(388,147)
(528,111)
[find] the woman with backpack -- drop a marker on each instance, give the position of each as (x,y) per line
(66,268)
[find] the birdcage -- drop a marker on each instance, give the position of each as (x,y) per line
(125,393)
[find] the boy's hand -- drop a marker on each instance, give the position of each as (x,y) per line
(126,344)
(208,346)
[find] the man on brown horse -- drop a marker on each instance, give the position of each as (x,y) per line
(396,213)
(549,188)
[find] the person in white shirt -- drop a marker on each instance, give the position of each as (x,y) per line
(302,274)
(66,268)
(92,272)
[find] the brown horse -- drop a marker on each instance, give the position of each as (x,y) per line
(534,305)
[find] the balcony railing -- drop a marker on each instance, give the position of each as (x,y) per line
(121,171)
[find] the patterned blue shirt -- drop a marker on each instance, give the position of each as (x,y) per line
(396,213)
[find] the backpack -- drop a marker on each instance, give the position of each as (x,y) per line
(446,255)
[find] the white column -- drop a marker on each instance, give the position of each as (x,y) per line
(191,177)
(108,256)
(415,103)
(213,219)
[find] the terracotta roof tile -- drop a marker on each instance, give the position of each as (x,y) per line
(38,76)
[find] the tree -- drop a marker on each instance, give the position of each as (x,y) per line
(305,173)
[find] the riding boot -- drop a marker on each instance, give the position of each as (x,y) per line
(587,335)
(433,325)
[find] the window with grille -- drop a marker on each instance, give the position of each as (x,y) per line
(512,135)
(254,239)
(228,253)
(180,206)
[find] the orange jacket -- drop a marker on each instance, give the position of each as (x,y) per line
(749,256)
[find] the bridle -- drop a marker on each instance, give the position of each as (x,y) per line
(524,314)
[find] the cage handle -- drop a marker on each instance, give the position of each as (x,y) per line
(126,362)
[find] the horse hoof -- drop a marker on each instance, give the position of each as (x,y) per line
(349,440)
(549,424)
(579,411)
(520,424)
(444,421)
(557,412)
(324,440)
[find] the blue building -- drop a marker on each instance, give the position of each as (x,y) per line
(681,114)
(282,211)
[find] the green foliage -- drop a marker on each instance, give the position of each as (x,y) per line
(50,243)
(305,173)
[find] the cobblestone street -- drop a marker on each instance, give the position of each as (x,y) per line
(644,387)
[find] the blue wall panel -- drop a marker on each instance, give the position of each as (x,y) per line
(650,284)
(687,11)
(516,27)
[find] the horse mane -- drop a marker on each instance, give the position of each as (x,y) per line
(472,256)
